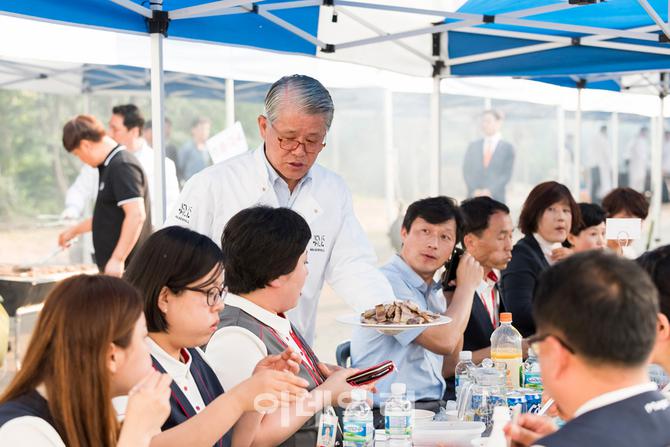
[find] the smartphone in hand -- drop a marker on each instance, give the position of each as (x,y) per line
(371,374)
(450,267)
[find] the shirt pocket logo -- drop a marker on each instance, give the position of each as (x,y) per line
(318,243)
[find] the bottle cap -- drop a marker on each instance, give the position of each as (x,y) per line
(359,394)
(531,353)
(465,355)
(398,389)
(505,317)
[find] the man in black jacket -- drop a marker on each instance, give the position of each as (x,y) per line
(487,236)
(594,357)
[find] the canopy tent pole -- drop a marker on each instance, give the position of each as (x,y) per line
(230,103)
(390,159)
(657,170)
(435,137)
(435,158)
(560,147)
(158,26)
(615,149)
(576,185)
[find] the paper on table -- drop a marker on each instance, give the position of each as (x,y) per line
(227,143)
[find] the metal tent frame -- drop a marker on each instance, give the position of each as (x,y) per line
(431,60)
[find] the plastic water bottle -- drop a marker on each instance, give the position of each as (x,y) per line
(531,372)
(506,347)
(398,421)
(501,417)
(462,373)
(359,430)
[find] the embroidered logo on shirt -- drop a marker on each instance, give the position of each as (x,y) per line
(184,213)
(659,405)
(318,243)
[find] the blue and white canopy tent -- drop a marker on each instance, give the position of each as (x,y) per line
(428,38)
(578,43)
(75,78)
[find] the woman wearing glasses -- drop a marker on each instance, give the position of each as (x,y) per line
(180,274)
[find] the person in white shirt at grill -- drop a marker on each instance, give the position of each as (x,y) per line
(283,172)
(125,127)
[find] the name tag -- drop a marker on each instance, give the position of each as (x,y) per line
(318,243)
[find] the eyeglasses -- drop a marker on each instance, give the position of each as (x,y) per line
(535,340)
(290,144)
(214,295)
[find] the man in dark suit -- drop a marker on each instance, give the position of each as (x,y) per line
(594,357)
(487,236)
(488,162)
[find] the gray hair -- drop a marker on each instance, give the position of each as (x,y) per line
(306,94)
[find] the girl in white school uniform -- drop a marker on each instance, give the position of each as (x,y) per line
(180,274)
(87,347)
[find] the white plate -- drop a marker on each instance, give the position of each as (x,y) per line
(389,329)
(447,433)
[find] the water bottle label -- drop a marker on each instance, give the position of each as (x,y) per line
(461,380)
(532,380)
(398,425)
(358,431)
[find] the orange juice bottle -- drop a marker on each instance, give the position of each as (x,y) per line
(506,347)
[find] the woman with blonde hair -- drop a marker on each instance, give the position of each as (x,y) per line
(87,347)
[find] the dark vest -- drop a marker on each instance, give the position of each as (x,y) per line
(209,387)
(234,316)
(29,404)
(642,420)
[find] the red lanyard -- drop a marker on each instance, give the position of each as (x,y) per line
(309,366)
(493,312)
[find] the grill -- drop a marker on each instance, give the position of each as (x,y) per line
(32,286)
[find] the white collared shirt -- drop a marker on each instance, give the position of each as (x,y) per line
(492,142)
(666,391)
(233,352)
(546,247)
(615,396)
(180,373)
(485,290)
(285,196)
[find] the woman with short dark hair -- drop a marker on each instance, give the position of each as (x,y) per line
(590,234)
(547,216)
(87,347)
(180,274)
(265,258)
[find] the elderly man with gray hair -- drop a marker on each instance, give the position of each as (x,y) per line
(283,173)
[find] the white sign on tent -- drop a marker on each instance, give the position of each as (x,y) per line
(227,143)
